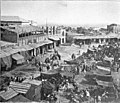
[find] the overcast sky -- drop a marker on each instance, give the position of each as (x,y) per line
(64,12)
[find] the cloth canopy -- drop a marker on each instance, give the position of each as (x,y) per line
(104,80)
(103,83)
(8,94)
(108,58)
(25,55)
(20,87)
(10,51)
(19,58)
(48,41)
(7,61)
(3,54)
(48,75)
(35,82)
(103,68)
(67,74)
(54,38)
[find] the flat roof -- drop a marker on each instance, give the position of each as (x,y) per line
(111,35)
(13,19)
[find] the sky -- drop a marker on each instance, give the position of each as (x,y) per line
(64,12)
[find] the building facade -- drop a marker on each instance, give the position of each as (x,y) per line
(114,28)
(13,20)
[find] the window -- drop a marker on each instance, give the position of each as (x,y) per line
(63,33)
(63,40)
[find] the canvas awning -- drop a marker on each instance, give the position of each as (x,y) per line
(103,68)
(19,48)
(3,54)
(103,83)
(35,45)
(10,51)
(8,94)
(20,87)
(35,82)
(54,38)
(108,58)
(27,47)
(48,41)
(7,61)
(41,43)
(67,74)
(19,58)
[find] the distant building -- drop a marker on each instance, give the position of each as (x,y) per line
(58,36)
(13,20)
(22,35)
(114,28)
(33,23)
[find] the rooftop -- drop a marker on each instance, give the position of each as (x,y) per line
(110,35)
(22,28)
(13,18)
(4,43)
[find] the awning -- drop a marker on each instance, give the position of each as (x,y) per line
(19,58)
(48,41)
(35,82)
(103,83)
(35,45)
(10,51)
(20,87)
(3,54)
(108,58)
(41,43)
(8,94)
(103,68)
(54,38)
(27,47)
(7,61)
(19,48)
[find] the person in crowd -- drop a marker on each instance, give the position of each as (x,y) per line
(73,56)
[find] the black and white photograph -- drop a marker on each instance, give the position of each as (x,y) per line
(60,51)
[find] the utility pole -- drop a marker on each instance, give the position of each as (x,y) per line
(0,50)
(46,27)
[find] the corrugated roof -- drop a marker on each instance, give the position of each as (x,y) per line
(13,18)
